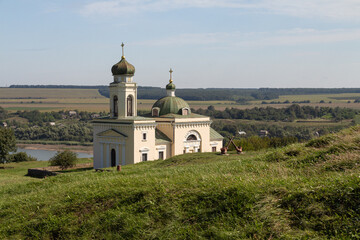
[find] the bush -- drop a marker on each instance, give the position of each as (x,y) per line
(64,160)
(21,157)
(7,143)
(320,142)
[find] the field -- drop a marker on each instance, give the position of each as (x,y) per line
(302,191)
(316,98)
(38,93)
(14,99)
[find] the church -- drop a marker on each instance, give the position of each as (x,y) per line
(170,129)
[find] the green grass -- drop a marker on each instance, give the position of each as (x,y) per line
(357,119)
(302,191)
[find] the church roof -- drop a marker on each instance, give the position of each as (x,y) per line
(170,86)
(123,68)
(160,137)
(111,133)
(191,115)
(214,135)
(170,104)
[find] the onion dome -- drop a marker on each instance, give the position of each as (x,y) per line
(170,105)
(123,67)
(170,86)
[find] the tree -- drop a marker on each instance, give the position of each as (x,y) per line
(64,160)
(7,143)
(3,113)
(20,157)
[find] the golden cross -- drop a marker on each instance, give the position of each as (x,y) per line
(171,71)
(122,46)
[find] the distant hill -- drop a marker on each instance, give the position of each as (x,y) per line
(209,94)
(302,191)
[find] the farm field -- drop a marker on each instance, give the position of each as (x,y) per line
(38,93)
(316,98)
(14,99)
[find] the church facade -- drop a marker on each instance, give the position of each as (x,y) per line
(171,128)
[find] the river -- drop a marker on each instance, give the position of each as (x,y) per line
(45,155)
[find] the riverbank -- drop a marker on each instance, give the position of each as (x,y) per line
(58,147)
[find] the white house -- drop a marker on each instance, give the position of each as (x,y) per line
(171,129)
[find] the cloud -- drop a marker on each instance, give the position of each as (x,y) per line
(131,6)
(290,37)
(334,9)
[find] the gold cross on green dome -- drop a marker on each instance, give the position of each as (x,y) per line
(122,46)
(171,71)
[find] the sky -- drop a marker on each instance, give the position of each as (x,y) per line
(208,43)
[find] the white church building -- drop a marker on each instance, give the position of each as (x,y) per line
(171,128)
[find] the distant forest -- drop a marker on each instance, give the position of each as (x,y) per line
(288,114)
(208,94)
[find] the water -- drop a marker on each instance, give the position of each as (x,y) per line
(45,155)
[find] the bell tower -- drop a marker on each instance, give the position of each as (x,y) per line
(123,91)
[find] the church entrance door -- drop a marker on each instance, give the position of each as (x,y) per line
(113,158)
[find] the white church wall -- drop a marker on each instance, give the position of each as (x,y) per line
(101,149)
(146,146)
(122,91)
(181,131)
(165,148)
(218,144)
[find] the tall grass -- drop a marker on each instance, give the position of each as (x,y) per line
(297,192)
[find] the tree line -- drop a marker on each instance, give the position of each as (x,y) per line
(229,128)
(288,114)
(76,131)
(208,94)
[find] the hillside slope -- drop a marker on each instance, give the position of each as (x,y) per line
(304,191)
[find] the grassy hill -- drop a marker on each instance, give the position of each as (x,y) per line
(302,191)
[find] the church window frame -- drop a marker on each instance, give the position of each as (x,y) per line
(192,142)
(116,106)
(130,106)
(191,137)
(144,136)
(155,112)
(192,132)
(185,111)
(144,154)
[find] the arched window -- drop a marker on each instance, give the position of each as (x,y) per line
(191,137)
(115,110)
(113,158)
(185,111)
(130,105)
(155,112)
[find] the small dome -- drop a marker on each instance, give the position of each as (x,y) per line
(170,86)
(123,68)
(170,105)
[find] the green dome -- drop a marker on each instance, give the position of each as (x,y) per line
(170,86)
(170,105)
(123,68)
